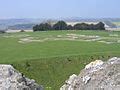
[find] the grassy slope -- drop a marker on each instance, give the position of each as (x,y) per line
(50,63)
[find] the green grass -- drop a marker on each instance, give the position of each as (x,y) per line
(50,63)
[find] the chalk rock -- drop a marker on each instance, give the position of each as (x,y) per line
(97,75)
(94,66)
(114,60)
(86,79)
(71,78)
(11,79)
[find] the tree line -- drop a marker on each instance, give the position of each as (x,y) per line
(62,25)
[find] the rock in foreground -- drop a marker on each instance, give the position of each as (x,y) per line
(11,79)
(97,75)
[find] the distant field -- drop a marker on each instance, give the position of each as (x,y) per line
(73,23)
(117,23)
(50,57)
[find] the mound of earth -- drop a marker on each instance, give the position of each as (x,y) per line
(11,79)
(97,75)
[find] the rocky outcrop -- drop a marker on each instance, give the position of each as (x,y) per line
(97,75)
(11,79)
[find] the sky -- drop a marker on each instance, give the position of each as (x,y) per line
(59,8)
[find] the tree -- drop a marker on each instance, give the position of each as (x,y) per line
(100,26)
(84,26)
(69,27)
(36,28)
(81,26)
(2,31)
(60,25)
(22,31)
(42,27)
(91,27)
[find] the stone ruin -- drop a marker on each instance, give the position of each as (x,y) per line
(11,79)
(97,75)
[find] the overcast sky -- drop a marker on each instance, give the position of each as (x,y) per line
(59,8)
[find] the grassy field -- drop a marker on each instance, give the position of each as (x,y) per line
(51,57)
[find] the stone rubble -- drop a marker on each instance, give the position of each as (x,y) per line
(97,75)
(11,79)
